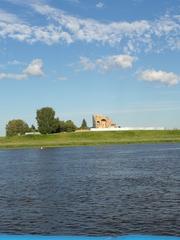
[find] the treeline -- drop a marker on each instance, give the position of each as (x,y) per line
(47,123)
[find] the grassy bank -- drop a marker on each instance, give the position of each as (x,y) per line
(90,138)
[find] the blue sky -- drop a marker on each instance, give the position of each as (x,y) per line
(119,58)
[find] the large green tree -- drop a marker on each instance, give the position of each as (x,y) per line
(16,127)
(47,123)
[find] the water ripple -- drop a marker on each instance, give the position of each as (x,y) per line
(109,190)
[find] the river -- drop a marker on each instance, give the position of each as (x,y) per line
(104,190)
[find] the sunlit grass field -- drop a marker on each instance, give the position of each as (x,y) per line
(90,138)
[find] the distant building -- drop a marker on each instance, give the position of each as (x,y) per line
(103,123)
(100,121)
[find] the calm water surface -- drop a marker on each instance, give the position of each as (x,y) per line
(109,190)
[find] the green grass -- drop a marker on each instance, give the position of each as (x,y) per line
(90,138)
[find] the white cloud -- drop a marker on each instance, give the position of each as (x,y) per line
(168,78)
(74,1)
(13,27)
(35,68)
(22,32)
(15,62)
(121,61)
(8,17)
(14,76)
(62,78)
(142,35)
(131,36)
(107,63)
(100,5)
(87,63)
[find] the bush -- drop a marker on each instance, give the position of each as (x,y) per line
(70,126)
(16,127)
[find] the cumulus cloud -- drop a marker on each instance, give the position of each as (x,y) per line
(107,63)
(142,35)
(152,75)
(35,68)
(100,5)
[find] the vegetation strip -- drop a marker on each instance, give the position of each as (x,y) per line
(90,138)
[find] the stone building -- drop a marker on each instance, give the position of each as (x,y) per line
(100,121)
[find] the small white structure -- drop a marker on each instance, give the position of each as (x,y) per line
(32,133)
(127,129)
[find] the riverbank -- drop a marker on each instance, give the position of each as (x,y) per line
(90,138)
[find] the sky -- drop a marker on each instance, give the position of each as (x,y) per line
(120,58)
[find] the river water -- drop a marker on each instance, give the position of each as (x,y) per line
(106,190)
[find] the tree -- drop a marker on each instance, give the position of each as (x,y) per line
(62,126)
(33,128)
(16,127)
(47,123)
(84,124)
(70,126)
